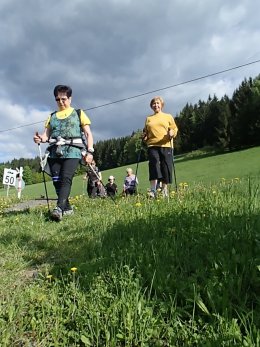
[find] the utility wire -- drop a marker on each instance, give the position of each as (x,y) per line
(173,85)
(151,92)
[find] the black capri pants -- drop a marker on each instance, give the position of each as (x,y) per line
(160,163)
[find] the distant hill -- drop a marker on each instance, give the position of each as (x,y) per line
(192,168)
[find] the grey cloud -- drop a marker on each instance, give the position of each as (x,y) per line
(115,49)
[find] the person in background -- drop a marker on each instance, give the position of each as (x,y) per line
(94,177)
(159,131)
(63,130)
(130,183)
(111,187)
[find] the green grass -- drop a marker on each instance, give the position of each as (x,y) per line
(192,168)
(177,272)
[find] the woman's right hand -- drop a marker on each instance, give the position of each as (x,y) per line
(144,136)
(37,138)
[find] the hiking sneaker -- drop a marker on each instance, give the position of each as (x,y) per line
(68,212)
(152,194)
(56,214)
(165,192)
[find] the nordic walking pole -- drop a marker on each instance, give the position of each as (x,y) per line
(137,165)
(174,172)
(100,181)
(172,136)
(43,175)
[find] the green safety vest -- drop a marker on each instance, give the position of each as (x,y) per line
(67,128)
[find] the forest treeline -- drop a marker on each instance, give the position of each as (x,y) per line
(222,124)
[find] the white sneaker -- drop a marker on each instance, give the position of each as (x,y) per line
(56,214)
(68,212)
(152,194)
(165,193)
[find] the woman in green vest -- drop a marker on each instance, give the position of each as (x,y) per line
(63,130)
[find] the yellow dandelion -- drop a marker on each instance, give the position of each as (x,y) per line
(73,269)
(138,204)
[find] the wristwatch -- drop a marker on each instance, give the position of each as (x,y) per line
(90,150)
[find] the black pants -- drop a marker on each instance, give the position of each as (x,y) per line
(62,171)
(130,191)
(92,189)
(160,164)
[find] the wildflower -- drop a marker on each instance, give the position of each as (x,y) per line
(49,277)
(138,204)
(73,269)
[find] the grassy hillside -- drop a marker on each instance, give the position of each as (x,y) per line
(174,272)
(191,168)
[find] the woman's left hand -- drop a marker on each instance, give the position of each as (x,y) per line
(88,158)
(171,133)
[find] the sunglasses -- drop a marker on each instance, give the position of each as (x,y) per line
(61,99)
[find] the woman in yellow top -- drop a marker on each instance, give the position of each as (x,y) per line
(159,131)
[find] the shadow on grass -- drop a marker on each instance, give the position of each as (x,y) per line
(184,158)
(179,255)
(206,154)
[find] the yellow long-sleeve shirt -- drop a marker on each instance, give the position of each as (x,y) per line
(157,127)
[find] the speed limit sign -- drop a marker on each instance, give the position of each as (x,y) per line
(9,177)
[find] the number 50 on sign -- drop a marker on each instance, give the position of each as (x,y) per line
(9,177)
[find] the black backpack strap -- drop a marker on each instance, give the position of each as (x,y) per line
(78,112)
(82,134)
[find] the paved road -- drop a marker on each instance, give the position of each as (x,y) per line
(27,205)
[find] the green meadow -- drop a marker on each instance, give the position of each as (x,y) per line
(192,168)
(182,271)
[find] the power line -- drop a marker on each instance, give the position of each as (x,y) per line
(150,92)
(173,85)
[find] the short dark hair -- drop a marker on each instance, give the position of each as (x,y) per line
(62,89)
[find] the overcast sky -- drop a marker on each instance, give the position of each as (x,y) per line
(108,50)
